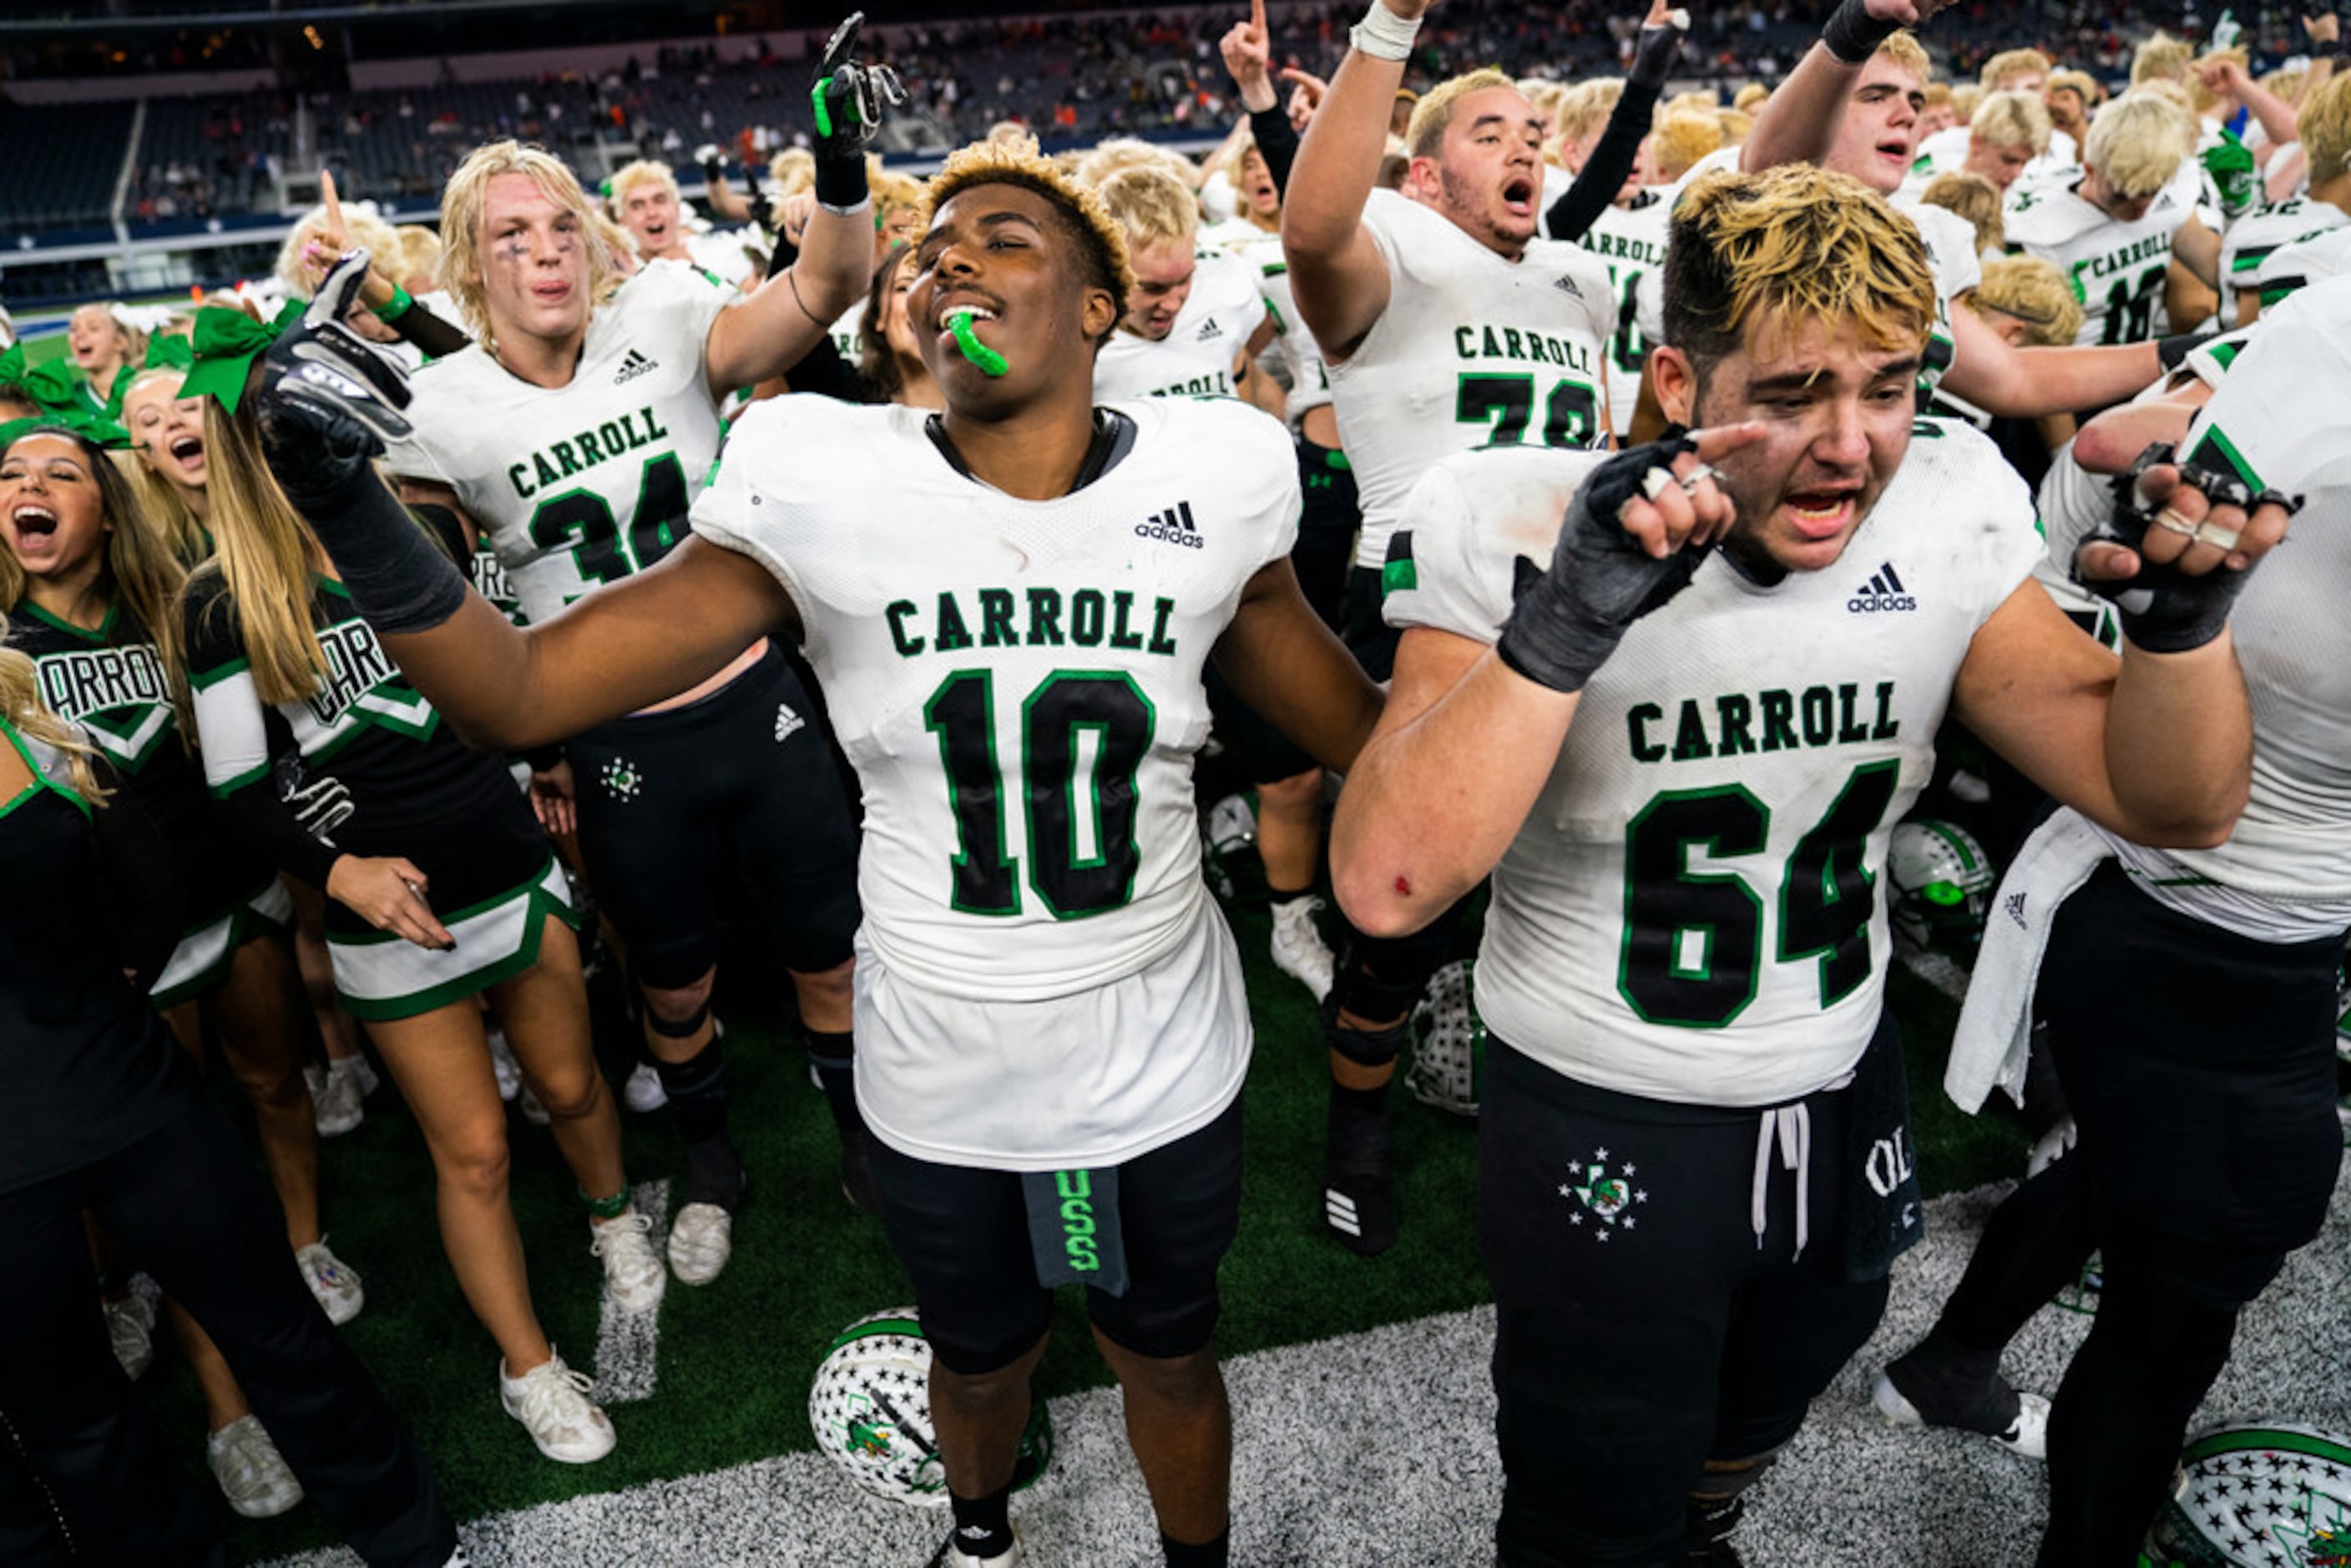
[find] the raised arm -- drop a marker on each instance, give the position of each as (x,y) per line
(1798,123)
(1336,272)
(768,333)
(1247,48)
(1604,172)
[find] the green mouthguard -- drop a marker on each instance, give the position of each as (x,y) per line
(989,362)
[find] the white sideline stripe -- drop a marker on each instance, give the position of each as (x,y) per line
(628,1345)
(1378,1447)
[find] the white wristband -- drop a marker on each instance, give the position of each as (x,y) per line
(1384,35)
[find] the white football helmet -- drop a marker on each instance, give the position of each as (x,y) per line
(1940,885)
(1449,1043)
(2257,1497)
(869,1407)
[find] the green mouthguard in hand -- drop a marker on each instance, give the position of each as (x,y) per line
(989,362)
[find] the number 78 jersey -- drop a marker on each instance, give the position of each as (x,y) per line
(1017,683)
(583,485)
(1691,911)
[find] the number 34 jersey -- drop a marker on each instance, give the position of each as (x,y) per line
(1691,911)
(1018,683)
(578,485)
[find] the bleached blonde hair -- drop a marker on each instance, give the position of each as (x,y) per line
(1150,208)
(2137,143)
(2034,290)
(1681,138)
(643,171)
(1101,242)
(2012,120)
(367,232)
(1434,114)
(2161,57)
(465,207)
(2323,123)
(20,703)
(1974,198)
(2009,63)
(1108,158)
(1585,107)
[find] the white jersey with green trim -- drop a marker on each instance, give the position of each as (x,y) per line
(2310,261)
(1220,317)
(1630,242)
(1473,349)
(2257,255)
(582,485)
(1018,686)
(2116,270)
(1691,912)
(1301,356)
(2280,418)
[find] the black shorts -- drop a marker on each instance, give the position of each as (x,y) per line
(963,1235)
(1367,634)
(2200,1066)
(1643,1326)
(741,782)
(1327,525)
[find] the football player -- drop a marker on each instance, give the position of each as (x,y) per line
(2111,229)
(608,422)
(1694,1170)
(2249,255)
(1011,605)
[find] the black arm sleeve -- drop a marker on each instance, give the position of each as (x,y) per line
(437,337)
(143,875)
(1277,142)
(1603,174)
(269,827)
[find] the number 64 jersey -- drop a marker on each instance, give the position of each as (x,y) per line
(1017,685)
(1691,911)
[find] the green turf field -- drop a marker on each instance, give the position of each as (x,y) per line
(734,1357)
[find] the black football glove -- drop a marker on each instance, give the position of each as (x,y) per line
(849,98)
(2165,609)
(329,401)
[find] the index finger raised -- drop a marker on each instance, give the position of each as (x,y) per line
(1720,441)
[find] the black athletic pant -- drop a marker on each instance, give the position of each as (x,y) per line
(79,1448)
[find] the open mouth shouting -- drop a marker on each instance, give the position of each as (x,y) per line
(1519,195)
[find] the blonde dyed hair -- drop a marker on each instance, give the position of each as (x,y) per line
(2161,58)
(2008,63)
(894,192)
(1938,96)
(465,208)
(264,554)
(420,251)
(2035,291)
(2081,84)
(2203,99)
(1763,254)
(1682,139)
(1974,198)
(1585,107)
(1425,134)
(1747,97)
(2012,120)
(643,171)
(1736,124)
(792,171)
(1101,244)
(1150,208)
(1904,50)
(2324,124)
(1108,158)
(1965,96)
(20,701)
(366,232)
(2137,143)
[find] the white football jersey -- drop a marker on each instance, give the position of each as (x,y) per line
(2116,270)
(1196,359)
(1691,911)
(583,485)
(2249,255)
(2281,418)
(1301,356)
(724,254)
(1472,351)
(1630,242)
(2310,261)
(1019,686)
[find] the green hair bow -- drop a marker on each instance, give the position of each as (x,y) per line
(224,346)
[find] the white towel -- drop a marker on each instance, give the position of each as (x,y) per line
(1995,1031)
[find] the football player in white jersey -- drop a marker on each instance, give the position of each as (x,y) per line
(1694,1172)
(1197,324)
(1053,1025)
(2001,139)
(2184,991)
(2111,230)
(607,422)
(645,203)
(1447,324)
(1856,113)
(2249,255)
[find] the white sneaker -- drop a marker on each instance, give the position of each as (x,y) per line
(130,1328)
(1299,950)
(632,1274)
(2027,1436)
(552,1403)
(503,1063)
(251,1471)
(701,1240)
(335,1282)
(643,1092)
(359,1068)
(2054,1145)
(335,1097)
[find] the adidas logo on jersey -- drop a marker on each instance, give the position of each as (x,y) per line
(1174,526)
(2015,907)
(1209,331)
(1566,284)
(636,364)
(1883,592)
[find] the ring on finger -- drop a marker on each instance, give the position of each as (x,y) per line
(2216,535)
(1690,481)
(2170,519)
(1654,482)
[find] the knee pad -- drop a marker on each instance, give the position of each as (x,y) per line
(685,1028)
(1383,977)
(1364,1047)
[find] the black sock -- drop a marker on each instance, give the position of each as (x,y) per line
(697,1093)
(835,1057)
(714,1174)
(1357,1128)
(984,1524)
(1276,895)
(1207,1554)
